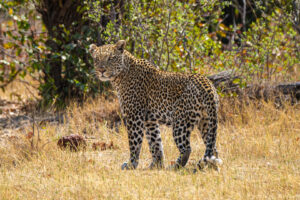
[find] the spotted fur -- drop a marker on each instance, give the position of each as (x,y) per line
(150,97)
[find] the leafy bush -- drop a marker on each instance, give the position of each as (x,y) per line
(172,34)
(181,36)
(21,45)
(58,57)
(261,40)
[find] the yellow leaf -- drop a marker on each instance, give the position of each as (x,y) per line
(236,81)
(10,11)
(278,10)
(221,33)
(223,27)
(7,45)
(10,23)
(41,47)
(177,49)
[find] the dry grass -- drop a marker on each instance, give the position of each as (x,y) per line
(21,90)
(260,148)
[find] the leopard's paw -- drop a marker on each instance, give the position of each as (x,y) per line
(156,165)
(174,167)
(211,162)
(214,161)
(128,166)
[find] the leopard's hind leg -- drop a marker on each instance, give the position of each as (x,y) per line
(208,127)
(155,144)
(182,128)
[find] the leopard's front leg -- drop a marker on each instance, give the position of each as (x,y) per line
(135,129)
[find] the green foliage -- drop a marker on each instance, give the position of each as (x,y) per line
(174,35)
(21,47)
(171,34)
(272,46)
(185,36)
(59,61)
(67,67)
(269,48)
(73,65)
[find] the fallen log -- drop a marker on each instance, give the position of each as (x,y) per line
(289,88)
(267,91)
(223,77)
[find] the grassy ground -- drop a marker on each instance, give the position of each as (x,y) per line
(259,145)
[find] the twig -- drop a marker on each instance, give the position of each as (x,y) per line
(165,37)
(10,79)
(26,84)
(244,15)
(33,122)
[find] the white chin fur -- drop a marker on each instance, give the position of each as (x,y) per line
(104,79)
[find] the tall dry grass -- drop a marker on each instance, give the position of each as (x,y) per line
(259,145)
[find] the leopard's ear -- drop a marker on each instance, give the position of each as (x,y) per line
(120,45)
(92,48)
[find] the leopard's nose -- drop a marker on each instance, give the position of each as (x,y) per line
(102,70)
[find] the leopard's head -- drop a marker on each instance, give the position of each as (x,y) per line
(108,60)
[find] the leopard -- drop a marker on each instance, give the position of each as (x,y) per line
(150,97)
